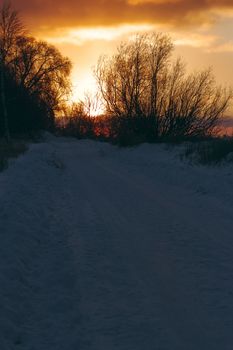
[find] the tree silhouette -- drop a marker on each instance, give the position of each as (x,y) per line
(42,71)
(34,75)
(10,28)
(154,97)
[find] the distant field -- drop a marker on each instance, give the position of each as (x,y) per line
(227,126)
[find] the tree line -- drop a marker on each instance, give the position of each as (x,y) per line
(146,95)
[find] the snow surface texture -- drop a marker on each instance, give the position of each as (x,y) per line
(112,249)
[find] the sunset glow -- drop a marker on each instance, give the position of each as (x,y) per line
(89,89)
(84,30)
(80,36)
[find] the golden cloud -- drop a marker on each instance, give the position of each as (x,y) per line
(80,13)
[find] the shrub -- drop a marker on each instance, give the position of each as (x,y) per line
(10,150)
(210,152)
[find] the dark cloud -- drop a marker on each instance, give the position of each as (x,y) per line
(62,13)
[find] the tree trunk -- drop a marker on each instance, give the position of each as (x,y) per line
(4,106)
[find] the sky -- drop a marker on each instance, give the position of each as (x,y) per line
(202,31)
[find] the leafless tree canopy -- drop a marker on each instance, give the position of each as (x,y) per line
(30,69)
(10,28)
(140,82)
(42,70)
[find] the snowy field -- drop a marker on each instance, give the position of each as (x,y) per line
(115,249)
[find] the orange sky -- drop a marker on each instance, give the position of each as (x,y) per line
(84,29)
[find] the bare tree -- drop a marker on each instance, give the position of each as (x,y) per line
(92,103)
(129,81)
(10,28)
(36,69)
(193,104)
(140,83)
(41,69)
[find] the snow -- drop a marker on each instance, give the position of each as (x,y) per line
(112,249)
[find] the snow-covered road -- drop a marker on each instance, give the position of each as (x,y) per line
(114,249)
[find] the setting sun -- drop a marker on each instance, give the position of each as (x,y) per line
(80,88)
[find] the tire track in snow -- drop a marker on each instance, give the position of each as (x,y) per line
(101,261)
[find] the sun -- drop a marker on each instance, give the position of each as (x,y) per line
(85,90)
(82,85)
